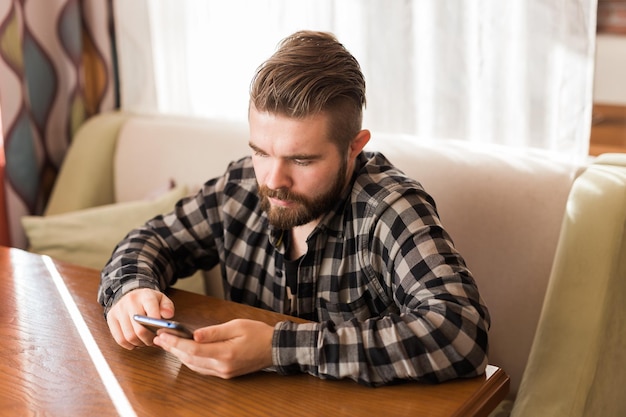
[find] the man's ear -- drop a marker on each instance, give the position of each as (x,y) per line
(359,142)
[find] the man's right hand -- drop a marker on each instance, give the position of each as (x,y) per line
(127,332)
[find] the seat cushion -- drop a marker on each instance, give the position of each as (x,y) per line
(87,237)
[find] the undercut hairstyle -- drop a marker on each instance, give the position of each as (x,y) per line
(312,73)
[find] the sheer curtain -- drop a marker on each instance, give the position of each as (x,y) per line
(515,72)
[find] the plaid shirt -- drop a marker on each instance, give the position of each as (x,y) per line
(389,296)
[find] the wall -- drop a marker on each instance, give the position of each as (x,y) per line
(610,72)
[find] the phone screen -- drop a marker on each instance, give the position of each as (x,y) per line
(169,326)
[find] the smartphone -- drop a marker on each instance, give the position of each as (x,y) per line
(169,326)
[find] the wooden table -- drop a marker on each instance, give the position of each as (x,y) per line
(608,129)
(59,359)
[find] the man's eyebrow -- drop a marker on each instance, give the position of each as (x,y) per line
(307,157)
(255,148)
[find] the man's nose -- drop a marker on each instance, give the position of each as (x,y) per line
(278,176)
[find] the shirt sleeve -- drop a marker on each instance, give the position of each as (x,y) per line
(166,248)
(437,329)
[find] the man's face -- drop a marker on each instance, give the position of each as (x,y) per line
(300,172)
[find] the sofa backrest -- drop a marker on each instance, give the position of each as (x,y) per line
(154,150)
(503,208)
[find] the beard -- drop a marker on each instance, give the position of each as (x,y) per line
(304,209)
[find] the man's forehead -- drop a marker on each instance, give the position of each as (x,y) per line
(271,130)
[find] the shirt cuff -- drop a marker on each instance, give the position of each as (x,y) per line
(122,291)
(294,347)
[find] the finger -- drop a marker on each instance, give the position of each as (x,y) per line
(142,336)
(118,335)
(136,334)
(166,307)
(195,356)
(147,302)
(175,345)
(121,327)
(130,337)
(126,331)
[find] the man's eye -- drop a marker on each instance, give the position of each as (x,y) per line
(259,153)
(302,162)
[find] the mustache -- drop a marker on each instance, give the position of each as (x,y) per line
(281,194)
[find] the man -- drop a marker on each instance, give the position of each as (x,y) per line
(309,225)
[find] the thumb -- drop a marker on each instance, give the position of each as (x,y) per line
(212,334)
(166,307)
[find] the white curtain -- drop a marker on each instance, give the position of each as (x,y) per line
(514,72)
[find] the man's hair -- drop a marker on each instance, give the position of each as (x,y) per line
(312,73)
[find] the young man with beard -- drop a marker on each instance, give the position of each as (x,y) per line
(312,226)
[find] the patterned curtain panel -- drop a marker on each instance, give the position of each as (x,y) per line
(56,70)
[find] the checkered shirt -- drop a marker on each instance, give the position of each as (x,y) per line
(388,295)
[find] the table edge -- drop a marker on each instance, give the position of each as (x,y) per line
(482,404)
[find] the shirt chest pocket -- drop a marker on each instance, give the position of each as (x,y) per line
(338,312)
